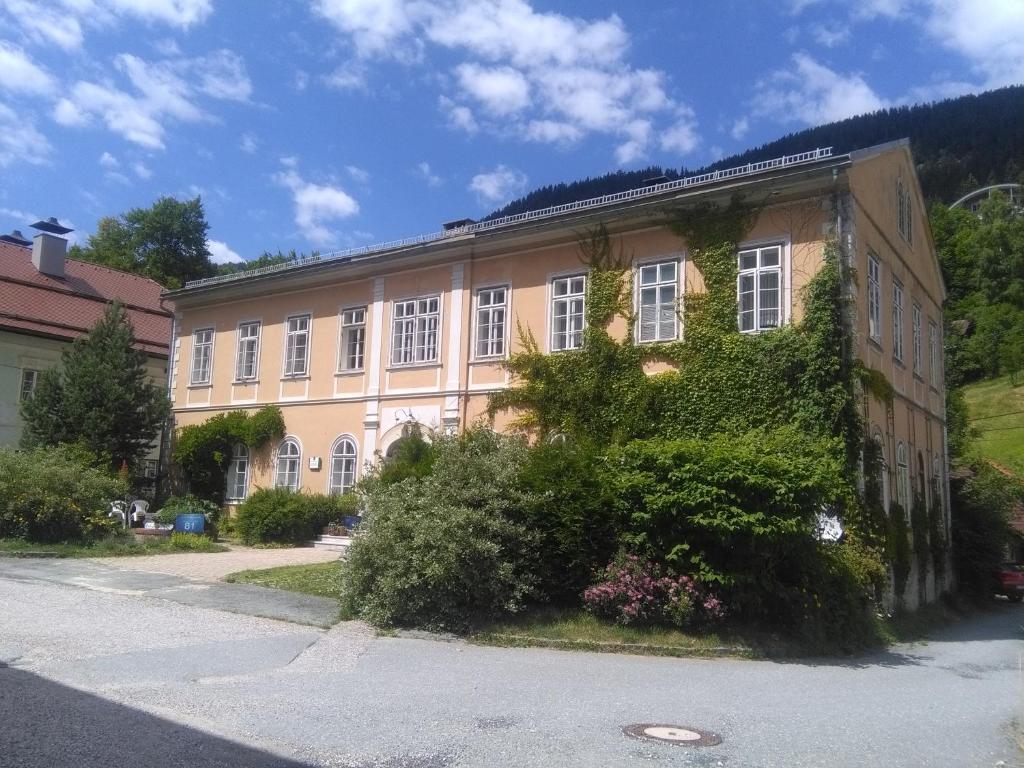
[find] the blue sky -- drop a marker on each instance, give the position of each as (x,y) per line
(326,124)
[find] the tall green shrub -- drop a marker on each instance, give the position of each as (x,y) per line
(284,516)
(55,494)
(443,550)
(983,499)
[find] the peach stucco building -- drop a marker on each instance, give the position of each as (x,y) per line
(354,346)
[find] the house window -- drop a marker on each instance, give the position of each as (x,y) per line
(296,346)
(883,470)
(202,356)
(568,296)
(491,305)
(897,320)
(343,466)
(874,298)
(904,214)
(902,479)
(934,354)
(238,474)
(353,338)
(918,341)
(759,288)
(414,331)
(658,289)
(246,357)
(29,381)
(288,457)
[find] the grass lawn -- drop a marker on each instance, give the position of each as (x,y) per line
(997,413)
(321,579)
(578,630)
(115,546)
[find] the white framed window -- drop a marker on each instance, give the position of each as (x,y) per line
(874,298)
(202,356)
(568,300)
(289,458)
(883,470)
(343,466)
(238,474)
(902,479)
(657,294)
(491,315)
(248,350)
(934,354)
(353,339)
(897,320)
(29,382)
(918,340)
(415,326)
(296,345)
(759,288)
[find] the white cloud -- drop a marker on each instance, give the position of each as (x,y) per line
(222,75)
(45,23)
(359,175)
(289,161)
(873,9)
(220,253)
(316,205)
(180,13)
(424,170)
(162,91)
(19,215)
(682,137)
(501,90)
(142,170)
(536,75)
(20,140)
(832,36)
(459,117)
(553,132)
(813,94)
(107,160)
(990,37)
(498,186)
(740,128)
(19,74)
(248,143)
(301,80)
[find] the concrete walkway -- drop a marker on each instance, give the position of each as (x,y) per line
(214,566)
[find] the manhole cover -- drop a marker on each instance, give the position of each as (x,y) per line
(683,735)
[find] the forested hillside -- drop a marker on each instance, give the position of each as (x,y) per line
(959,144)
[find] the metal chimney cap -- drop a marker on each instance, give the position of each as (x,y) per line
(52,226)
(16,238)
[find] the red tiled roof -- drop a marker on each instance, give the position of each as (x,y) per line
(67,308)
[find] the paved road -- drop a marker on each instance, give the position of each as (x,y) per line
(99,678)
(213,566)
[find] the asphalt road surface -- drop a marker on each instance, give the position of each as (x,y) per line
(95,675)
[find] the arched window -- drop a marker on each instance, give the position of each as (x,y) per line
(238,474)
(288,458)
(922,478)
(883,470)
(902,478)
(343,466)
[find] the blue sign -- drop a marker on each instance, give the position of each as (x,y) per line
(190,523)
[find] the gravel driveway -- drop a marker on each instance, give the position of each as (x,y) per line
(214,566)
(100,678)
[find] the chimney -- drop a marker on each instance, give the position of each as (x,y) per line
(48,247)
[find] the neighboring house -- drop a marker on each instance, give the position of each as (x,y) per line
(354,346)
(47,300)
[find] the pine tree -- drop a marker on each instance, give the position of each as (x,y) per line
(100,397)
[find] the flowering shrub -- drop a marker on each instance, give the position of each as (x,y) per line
(638,592)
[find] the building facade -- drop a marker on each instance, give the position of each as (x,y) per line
(353,347)
(47,301)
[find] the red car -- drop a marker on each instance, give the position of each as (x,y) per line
(1010,582)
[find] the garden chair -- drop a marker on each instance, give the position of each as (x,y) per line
(139,510)
(119,510)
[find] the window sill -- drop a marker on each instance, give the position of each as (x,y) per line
(351,372)
(412,366)
(242,382)
(301,377)
(899,364)
(488,360)
(207,385)
(673,340)
(876,343)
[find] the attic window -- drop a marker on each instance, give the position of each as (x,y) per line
(904,212)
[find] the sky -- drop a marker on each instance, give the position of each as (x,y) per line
(320,125)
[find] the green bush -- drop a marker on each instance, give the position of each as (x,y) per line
(189,542)
(54,495)
(279,515)
(184,505)
(442,551)
(982,502)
